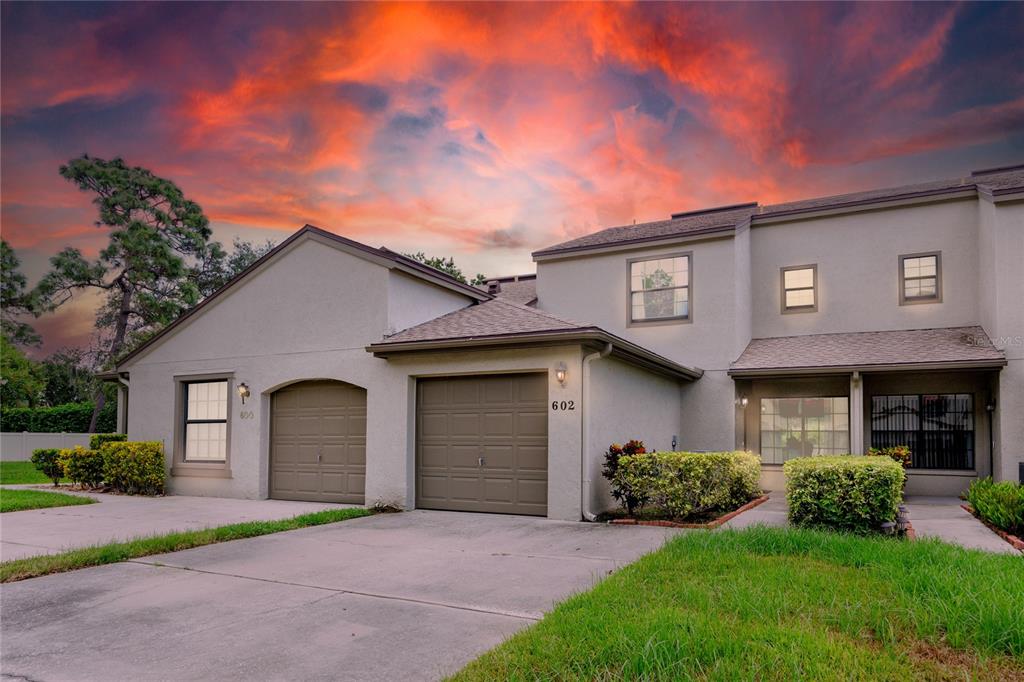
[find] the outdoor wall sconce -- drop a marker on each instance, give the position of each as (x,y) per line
(560,373)
(243,391)
(742,401)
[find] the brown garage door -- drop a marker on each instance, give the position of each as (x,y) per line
(318,442)
(482,444)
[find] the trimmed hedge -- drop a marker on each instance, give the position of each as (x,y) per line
(845,492)
(1001,504)
(70,418)
(688,484)
(84,467)
(97,440)
(47,461)
(134,467)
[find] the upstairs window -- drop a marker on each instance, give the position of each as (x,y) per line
(921,278)
(206,421)
(800,289)
(659,289)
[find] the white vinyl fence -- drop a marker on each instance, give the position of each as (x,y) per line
(18,447)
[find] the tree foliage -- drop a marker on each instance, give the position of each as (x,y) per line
(16,300)
(22,384)
(220,266)
(157,239)
(446,265)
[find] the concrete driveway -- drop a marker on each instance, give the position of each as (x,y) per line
(396,596)
(123,517)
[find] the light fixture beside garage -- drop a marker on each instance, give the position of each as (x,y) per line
(560,373)
(243,391)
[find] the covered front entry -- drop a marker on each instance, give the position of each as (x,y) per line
(482,443)
(318,442)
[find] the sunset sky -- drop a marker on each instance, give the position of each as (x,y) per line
(486,131)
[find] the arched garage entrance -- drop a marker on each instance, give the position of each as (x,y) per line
(318,442)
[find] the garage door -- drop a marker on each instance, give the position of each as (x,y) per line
(482,444)
(318,442)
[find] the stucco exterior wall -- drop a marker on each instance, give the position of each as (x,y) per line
(594,289)
(627,403)
(411,303)
(391,427)
(858,269)
(308,314)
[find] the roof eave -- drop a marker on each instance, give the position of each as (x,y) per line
(740,373)
(554,253)
(943,194)
(586,335)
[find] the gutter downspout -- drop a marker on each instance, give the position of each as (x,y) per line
(585,431)
(122,404)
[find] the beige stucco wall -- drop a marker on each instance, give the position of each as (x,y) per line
(308,314)
(1001,304)
(858,269)
(626,403)
(391,429)
(593,289)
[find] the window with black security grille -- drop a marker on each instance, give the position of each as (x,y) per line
(938,428)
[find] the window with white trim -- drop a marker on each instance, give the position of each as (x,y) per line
(659,289)
(206,421)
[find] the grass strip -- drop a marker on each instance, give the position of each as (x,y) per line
(12,500)
(32,567)
(782,604)
(13,473)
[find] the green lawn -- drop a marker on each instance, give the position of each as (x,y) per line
(20,569)
(12,500)
(778,604)
(20,472)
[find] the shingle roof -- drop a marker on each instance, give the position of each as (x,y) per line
(997,181)
(696,223)
(498,323)
(964,345)
(492,318)
(523,292)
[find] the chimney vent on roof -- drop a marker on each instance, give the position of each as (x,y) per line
(493,287)
(717,209)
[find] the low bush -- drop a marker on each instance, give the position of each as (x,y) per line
(97,440)
(47,461)
(84,467)
(625,495)
(70,418)
(846,492)
(686,485)
(899,453)
(134,467)
(1001,504)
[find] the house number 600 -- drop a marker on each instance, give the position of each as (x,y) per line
(563,405)
(247,414)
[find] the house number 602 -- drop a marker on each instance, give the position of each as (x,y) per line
(563,405)
(247,414)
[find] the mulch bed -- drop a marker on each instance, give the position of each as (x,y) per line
(714,523)
(1015,542)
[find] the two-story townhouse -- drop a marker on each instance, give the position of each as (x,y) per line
(331,370)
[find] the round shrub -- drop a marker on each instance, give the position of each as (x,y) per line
(47,461)
(846,492)
(84,467)
(134,467)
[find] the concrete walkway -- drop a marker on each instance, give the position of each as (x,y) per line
(945,519)
(939,517)
(411,596)
(123,517)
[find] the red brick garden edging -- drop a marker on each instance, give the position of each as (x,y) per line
(675,524)
(1014,541)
